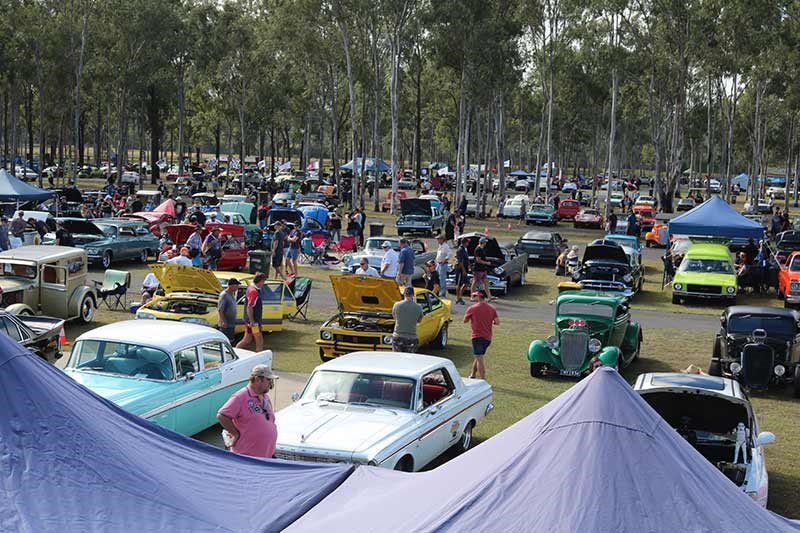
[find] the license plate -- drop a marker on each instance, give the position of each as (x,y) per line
(572,373)
(534,256)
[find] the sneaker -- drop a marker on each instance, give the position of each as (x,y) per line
(460,301)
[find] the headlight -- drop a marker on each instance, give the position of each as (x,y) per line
(735,368)
(498,271)
(192,320)
(780,370)
(326,335)
(595,345)
(140,314)
(387,339)
(627,278)
(731,290)
(677,286)
(552,341)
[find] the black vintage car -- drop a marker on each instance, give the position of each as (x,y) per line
(541,246)
(758,346)
(606,266)
(417,215)
(39,334)
(508,266)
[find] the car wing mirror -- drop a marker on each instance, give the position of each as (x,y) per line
(435,409)
(764,438)
(295,396)
(189,376)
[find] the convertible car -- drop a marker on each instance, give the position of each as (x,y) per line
(706,410)
(191,294)
(608,266)
(373,252)
(174,374)
(508,267)
(396,411)
(365,317)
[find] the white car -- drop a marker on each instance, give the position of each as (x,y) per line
(521,185)
(513,206)
(25,173)
(569,187)
(706,410)
(132,178)
(646,200)
(373,252)
(714,186)
(393,410)
(776,193)
(616,199)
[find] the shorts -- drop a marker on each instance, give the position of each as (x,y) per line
(479,275)
(229,332)
(462,280)
(404,344)
(293,254)
(479,346)
(248,329)
(404,280)
(277,261)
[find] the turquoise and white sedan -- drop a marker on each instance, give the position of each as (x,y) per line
(175,374)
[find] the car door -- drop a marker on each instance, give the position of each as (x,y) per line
(215,359)
(439,407)
(53,295)
(272,295)
(191,392)
(426,326)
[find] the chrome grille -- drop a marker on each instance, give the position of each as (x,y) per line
(573,348)
(704,289)
(288,456)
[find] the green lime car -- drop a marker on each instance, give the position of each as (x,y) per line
(707,273)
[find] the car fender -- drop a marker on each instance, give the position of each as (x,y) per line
(76,298)
(539,352)
(609,356)
(631,338)
(19,309)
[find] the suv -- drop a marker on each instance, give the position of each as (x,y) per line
(588,324)
(52,278)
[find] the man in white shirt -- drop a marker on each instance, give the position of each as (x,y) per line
(442,264)
(365,270)
(149,287)
(390,261)
(182,259)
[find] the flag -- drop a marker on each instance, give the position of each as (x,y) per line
(285,166)
(262,164)
(235,164)
(507,163)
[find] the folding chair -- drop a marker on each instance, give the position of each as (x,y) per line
(318,239)
(301,288)
(346,244)
(310,253)
(114,286)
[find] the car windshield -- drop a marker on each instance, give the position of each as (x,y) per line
(711,266)
(18,270)
(108,231)
(597,309)
(541,237)
(795,266)
(544,208)
(121,359)
(623,242)
(774,325)
(589,212)
(357,388)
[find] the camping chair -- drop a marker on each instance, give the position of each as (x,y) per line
(346,244)
(114,287)
(318,239)
(310,253)
(301,288)
(669,270)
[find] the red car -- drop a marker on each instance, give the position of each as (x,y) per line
(568,209)
(155,220)
(589,218)
(234,250)
(401,195)
(646,214)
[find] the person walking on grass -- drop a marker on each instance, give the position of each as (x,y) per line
(482,317)
(226,309)
(481,268)
(442,264)
(405,263)
(407,313)
(252,314)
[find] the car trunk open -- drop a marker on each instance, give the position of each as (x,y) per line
(415,207)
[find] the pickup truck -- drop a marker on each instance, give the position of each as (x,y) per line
(39,334)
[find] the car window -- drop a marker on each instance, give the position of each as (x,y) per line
(271,292)
(435,302)
(422,300)
(186,361)
(53,274)
(142,230)
(211,353)
(18,270)
(418,246)
(8,327)
(228,353)
(436,386)
(126,232)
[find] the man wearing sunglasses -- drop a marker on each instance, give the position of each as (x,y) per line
(248,417)
(365,270)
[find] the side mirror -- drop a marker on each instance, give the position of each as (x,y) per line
(764,438)
(189,376)
(295,396)
(433,410)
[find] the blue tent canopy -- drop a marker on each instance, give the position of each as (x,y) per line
(73,461)
(372,165)
(597,458)
(521,174)
(15,190)
(715,218)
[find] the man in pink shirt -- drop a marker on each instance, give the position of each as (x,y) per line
(481,316)
(248,416)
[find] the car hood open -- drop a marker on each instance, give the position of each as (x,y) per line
(415,206)
(595,252)
(365,293)
(183,278)
(81,227)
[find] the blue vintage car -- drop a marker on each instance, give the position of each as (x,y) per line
(175,374)
(626,241)
(108,240)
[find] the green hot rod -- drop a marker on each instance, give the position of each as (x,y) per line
(588,324)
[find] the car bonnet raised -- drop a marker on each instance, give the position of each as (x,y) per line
(183,278)
(365,293)
(415,206)
(603,250)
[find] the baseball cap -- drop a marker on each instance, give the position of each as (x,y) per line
(233,281)
(386,244)
(408,291)
(263,371)
(479,292)
(483,240)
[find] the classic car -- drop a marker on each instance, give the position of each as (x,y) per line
(419,216)
(387,204)
(541,214)
(789,281)
(568,209)
(373,251)
(588,218)
(508,266)
(758,346)
(191,294)
(176,375)
(649,200)
(407,183)
(35,279)
(396,411)
(155,220)
(647,216)
(434,199)
(39,334)
(714,186)
(234,250)
(626,241)
(786,243)
(244,208)
(541,246)
(685,204)
(365,318)
(293,217)
(569,187)
(284,199)
(706,410)
(521,185)
(512,208)
(610,267)
(331,196)
(616,199)
(776,193)
(705,272)
(588,324)
(107,240)
(252,232)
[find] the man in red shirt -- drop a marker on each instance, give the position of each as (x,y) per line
(252,314)
(481,316)
(248,416)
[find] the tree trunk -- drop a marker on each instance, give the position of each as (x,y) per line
(29,121)
(78,79)
(351,83)
(6,158)
(14,110)
(37,51)
(460,149)
(98,130)
(612,133)
(181,114)
(418,117)
(395,105)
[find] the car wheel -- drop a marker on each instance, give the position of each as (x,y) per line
(465,442)
(638,351)
(796,384)
(144,255)
(676,300)
(537,370)
(440,342)
(406,464)
(522,279)
(87,309)
(324,357)
(25,312)
(106,261)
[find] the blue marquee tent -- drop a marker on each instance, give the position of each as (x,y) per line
(597,458)
(72,461)
(372,165)
(16,190)
(521,174)
(716,218)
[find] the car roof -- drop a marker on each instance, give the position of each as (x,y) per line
(393,363)
(708,248)
(680,380)
(758,310)
(40,252)
(168,335)
(538,236)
